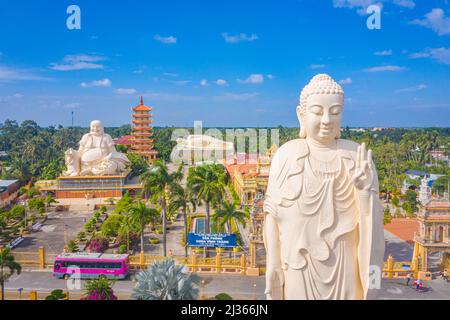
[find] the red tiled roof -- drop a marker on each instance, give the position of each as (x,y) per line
(125,140)
(438,204)
(403,228)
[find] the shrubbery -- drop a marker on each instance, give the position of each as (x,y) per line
(99,244)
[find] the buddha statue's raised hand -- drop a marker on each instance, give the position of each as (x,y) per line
(363,175)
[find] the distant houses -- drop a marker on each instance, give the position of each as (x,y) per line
(8,191)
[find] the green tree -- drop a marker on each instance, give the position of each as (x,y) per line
(123,204)
(228,213)
(72,246)
(207,185)
(126,226)
(37,204)
(138,164)
(441,185)
(111,226)
(387,218)
(180,199)
(17,212)
(56,294)
(49,200)
(7,268)
(165,280)
(141,216)
(158,182)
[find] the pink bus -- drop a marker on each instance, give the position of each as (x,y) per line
(91,265)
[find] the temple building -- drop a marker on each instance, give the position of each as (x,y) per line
(434,234)
(142,132)
(251,175)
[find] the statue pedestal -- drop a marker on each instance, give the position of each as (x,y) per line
(90,187)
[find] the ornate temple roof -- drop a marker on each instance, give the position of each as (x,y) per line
(142,107)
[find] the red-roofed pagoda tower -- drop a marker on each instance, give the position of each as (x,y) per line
(142,131)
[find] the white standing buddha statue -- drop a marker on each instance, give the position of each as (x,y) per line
(323,228)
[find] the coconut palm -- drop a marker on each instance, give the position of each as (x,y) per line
(141,216)
(158,182)
(207,185)
(7,268)
(181,198)
(48,201)
(126,226)
(227,213)
(165,280)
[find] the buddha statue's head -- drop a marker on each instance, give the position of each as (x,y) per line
(320,109)
(97,128)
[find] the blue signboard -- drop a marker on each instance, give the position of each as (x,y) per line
(212,240)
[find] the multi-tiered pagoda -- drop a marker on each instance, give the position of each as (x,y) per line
(142,131)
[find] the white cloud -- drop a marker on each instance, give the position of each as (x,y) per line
(383,53)
(221,82)
(385,68)
(74,105)
(255,78)
(410,4)
(204,83)
(412,89)
(166,40)
(78,62)
(97,83)
(362,5)
(441,55)
(435,20)
(346,81)
(15,74)
(139,70)
(317,66)
(239,37)
(125,91)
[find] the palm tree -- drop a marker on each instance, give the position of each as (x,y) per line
(207,184)
(227,213)
(141,215)
(7,268)
(180,200)
(49,200)
(157,183)
(165,280)
(126,226)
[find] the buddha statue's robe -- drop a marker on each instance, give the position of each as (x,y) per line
(328,237)
(99,156)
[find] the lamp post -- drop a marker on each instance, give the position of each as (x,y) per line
(202,288)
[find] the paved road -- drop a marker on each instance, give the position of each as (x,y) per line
(239,287)
(51,235)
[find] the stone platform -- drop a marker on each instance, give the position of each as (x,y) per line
(90,187)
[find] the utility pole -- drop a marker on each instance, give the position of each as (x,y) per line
(72,119)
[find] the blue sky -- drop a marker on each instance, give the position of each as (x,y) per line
(227,63)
